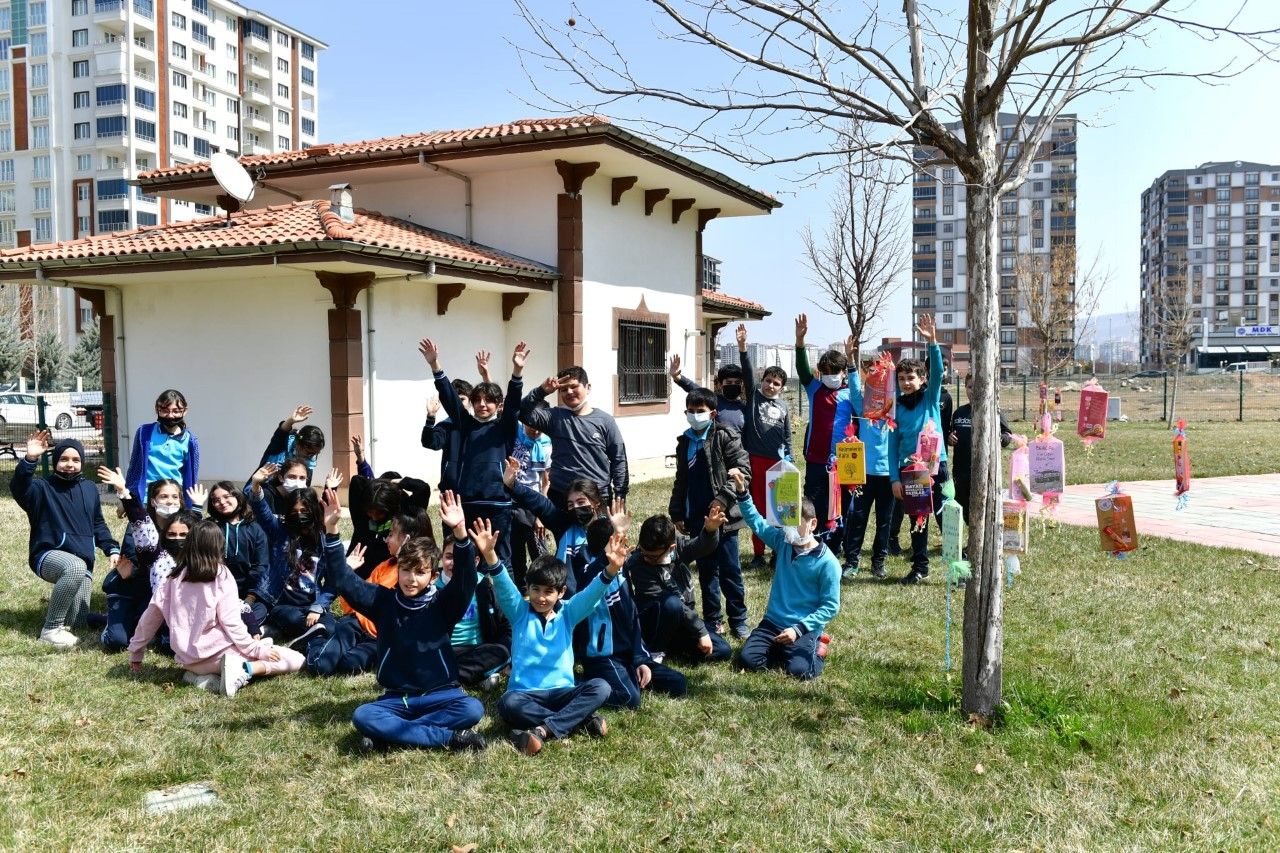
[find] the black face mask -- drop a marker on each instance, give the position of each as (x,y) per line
(297,524)
(583,515)
(731,392)
(171,422)
(68,478)
(174,546)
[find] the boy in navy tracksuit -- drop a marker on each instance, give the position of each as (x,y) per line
(542,701)
(804,597)
(608,644)
(444,437)
(488,432)
(423,705)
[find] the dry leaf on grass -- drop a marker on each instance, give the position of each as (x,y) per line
(979,769)
(463,848)
(450,821)
(1175,692)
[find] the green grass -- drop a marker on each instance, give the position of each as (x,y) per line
(1141,714)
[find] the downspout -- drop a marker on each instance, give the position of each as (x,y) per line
(422,161)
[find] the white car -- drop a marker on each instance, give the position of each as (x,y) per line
(21,409)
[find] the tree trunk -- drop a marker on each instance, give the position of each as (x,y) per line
(1173,399)
(984,596)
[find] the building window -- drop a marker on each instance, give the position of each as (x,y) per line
(233,79)
(6,171)
(282,142)
(233,133)
(282,116)
(232,51)
(79,38)
(79,7)
(179,109)
(110,188)
(112,220)
(41,198)
(145,219)
(111,126)
(308,77)
(40,136)
(83,130)
(282,39)
(79,68)
(309,126)
(282,65)
(201,148)
(80,100)
(114,94)
(178,21)
(256,29)
(144,99)
(44,229)
(7,204)
(40,167)
(179,50)
(308,51)
(233,105)
(84,162)
(144,130)
(40,74)
(82,192)
(38,44)
(179,79)
(179,139)
(642,353)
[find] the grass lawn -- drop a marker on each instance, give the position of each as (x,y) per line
(1141,714)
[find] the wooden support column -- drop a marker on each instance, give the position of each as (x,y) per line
(569,260)
(346,365)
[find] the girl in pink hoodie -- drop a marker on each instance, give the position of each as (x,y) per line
(200,604)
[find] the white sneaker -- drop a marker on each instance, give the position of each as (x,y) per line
(59,638)
(205,682)
(233,674)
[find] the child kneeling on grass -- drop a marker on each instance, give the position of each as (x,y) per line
(200,604)
(423,705)
(542,701)
(804,597)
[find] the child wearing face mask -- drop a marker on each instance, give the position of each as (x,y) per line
(766,431)
(825,391)
(705,452)
(246,553)
(164,449)
(288,477)
(294,594)
(66,520)
(488,434)
(303,444)
(583,504)
(731,402)
(803,599)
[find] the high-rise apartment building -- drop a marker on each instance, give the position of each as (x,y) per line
(92,92)
(1210,254)
(1037,223)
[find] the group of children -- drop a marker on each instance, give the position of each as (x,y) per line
(241,581)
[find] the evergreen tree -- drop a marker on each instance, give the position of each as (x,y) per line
(51,358)
(85,360)
(11,352)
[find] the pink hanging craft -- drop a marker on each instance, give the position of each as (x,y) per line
(1020,471)
(1048,465)
(929,447)
(1181,466)
(1091,423)
(917,493)
(880,391)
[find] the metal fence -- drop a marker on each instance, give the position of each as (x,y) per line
(88,418)
(1245,396)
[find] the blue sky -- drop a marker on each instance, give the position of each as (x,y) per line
(398,66)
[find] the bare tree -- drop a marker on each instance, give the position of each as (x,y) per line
(1176,321)
(797,75)
(1057,300)
(856,261)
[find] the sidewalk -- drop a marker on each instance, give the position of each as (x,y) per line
(1225,512)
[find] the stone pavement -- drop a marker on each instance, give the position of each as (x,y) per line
(1226,512)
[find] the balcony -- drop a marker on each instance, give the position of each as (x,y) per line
(256,68)
(144,75)
(111,15)
(257,94)
(256,120)
(145,8)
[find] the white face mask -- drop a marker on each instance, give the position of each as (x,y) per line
(698,420)
(292,484)
(795,537)
(668,558)
(832,380)
(166,510)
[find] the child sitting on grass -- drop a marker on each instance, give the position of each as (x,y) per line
(201,606)
(423,705)
(804,597)
(542,701)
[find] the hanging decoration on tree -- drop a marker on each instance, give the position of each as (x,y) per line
(1181,466)
(1091,422)
(1020,470)
(880,392)
(958,569)
(929,447)
(782,492)
(1117,532)
(835,502)
(1048,466)
(1057,404)
(917,493)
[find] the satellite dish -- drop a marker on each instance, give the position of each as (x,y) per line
(237,186)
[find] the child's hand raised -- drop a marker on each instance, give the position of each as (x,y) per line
(451,514)
(264,473)
(357,447)
(482,364)
(113,478)
(356,558)
(198,495)
(616,553)
(715,517)
(673,367)
(334,479)
(618,515)
(300,414)
(332,510)
(486,538)
(520,357)
(739,481)
(433,406)
(550,385)
(510,472)
(430,353)
(740,334)
(802,327)
(37,444)
(926,327)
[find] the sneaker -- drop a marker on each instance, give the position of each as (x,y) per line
(467,739)
(59,638)
(850,570)
(526,741)
(758,562)
(596,726)
(741,632)
(491,682)
(369,746)
(205,682)
(894,548)
(302,639)
(717,628)
(911,578)
(234,674)
(877,571)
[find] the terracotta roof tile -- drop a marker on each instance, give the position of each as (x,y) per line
(726,300)
(407,142)
(300,222)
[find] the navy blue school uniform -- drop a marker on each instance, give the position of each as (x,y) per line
(423,704)
(608,644)
(569,531)
(288,596)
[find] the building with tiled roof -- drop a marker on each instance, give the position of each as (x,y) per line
(578,237)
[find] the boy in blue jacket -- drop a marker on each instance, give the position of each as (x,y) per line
(488,434)
(877,492)
(919,401)
(423,705)
(542,701)
(804,597)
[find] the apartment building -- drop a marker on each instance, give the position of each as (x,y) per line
(94,92)
(1210,258)
(1037,222)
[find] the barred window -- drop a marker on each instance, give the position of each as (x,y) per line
(642,369)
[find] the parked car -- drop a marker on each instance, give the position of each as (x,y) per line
(1236,367)
(88,407)
(21,409)
(1148,374)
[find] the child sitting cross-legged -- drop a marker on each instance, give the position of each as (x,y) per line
(542,701)
(423,705)
(608,643)
(804,597)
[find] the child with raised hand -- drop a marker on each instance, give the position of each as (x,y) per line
(766,429)
(731,404)
(165,448)
(423,705)
(803,599)
(919,401)
(662,584)
(488,433)
(583,504)
(375,501)
(608,644)
(444,436)
(542,700)
(303,444)
(201,607)
(482,638)
(66,520)
(825,392)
